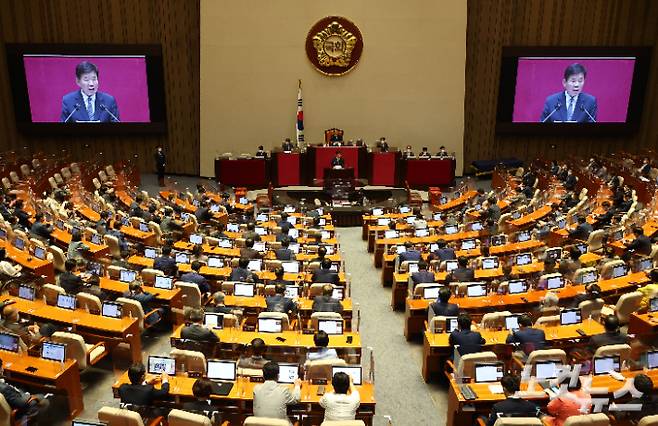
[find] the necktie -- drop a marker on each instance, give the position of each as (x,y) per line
(572,104)
(90,108)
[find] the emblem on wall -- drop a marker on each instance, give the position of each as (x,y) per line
(334,45)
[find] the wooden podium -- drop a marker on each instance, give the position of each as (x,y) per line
(344,173)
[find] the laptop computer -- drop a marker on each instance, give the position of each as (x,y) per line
(488,372)
(330,326)
(554,253)
(523,259)
(517,286)
(196,239)
(377,212)
(653,304)
(512,322)
(9,342)
(213,320)
(606,364)
(143,227)
(412,267)
(164,283)
(288,373)
(127,275)
(66,301)
(215,262)
(269,325)
(244,289)
(554,283)
(354,371)
(523,236)
(383,221)
(469,244)
(291,267)
(451,229)
(476,290)
(652,359)
(26,292)
(150,253)
(589,277)
(161,364)
(498,240)
(255,265)
(222,375)
(39,253)
(431,292)
(451,265)
(293,291)
(182,257)
(111,309)
(490,263)
(233,227)
(570,316)
(259,246)
(546,370)
(389,234)
(53,351)
(619,271)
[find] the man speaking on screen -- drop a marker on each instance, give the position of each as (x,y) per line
(88,104)
(572,105)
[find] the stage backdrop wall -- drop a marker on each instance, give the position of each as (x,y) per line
(408,86)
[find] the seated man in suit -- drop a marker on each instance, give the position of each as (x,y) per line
(528,338)
(251,232)
(256,360)
(137,293)
(572,104)
(40,228)
(603,219)
(592,292)
(196,278)
(202,389)
(283,223)
(513,405)
(571,264)
(325,274)
(443,252)
(463,273)
(648,400)
(165,262)
(423,275)
(612,335)
(279,273)
(284,253)
(424,153)
(261,153)
(271,399)
(88,104)
(216,304)
(410,253)
(29,333)
(242,274)
(641,244)
(582,230)
(248,251)
(322,252)
(196,330)
(468,341)
(69,281)
(29,407)
(326,303)
(321,341)
(285,234)
(441,307)
(287,145)
(279,302)
(338,161)
(140,391)
(77,248)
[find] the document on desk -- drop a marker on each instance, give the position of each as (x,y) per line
(496,389)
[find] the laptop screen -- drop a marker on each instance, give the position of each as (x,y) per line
(451,324)
(606,364)
(653,304)
(570,316)
(288,373)
(589,277)
(225,243)
(19,243)
(289,209)
(487,373)
(259,246)
(644,264)
(400,249)
(214,208)
(291,267)
(213,320)
(404,209)
(383,221)
(143,227)
(431,292)
(490,263)
(111,309)
(292,291)
(561,222)
(553,283)
(259,230)
(523,236)
(26,292)
(150,253)
(244,200)
(96,239)
(66,301)
(196,239)
(95,268)
(39,252)
(232,227)
(53,351)
(162,282)
(215,262)
(294,247)
(554,253)
(3,234)
(326,235)
(353,371)
(451,265)
(127,275)
(221,370)
(436,216)
(619,271)
(160,364)
(476,226)
(9,342)
(582,247)
(546,369)
(512,322)
(330,326)
(498,240)
(421,233)
(517,286)
(262,217)
(182,258)
(255,265)
(451,229)
(652,359)
(338,293)
(243,289)
(269,325)
(523,259)
(468,244)
(413,267)
(293,233)
(390,234)
(476,290)
(377,212)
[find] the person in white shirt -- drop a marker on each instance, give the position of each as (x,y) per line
(272,399)
(321,340)
(339,404)
(6,268)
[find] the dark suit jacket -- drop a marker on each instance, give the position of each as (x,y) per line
(530,339)
(410,255)
(444,309)
(41,230)
(23,218)
(585,101)
(199,333)
(160,160)
(570,182)
(142,395)
(581,232)
(203,408)
(198,279)
(641,244)
(278,303)
(285,254)
(338,162)
(421,277)
(606,338)
(445,254)
(72,283)
(249,253)
(70,100)
(461,275)
(325,276)
(469,341)
(16,398)
(327,304)
(287,146)
(512,407)
(166,264)
(242,275)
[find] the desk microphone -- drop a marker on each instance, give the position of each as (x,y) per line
(557,106)
(582,108)
(76,107)
(110,112)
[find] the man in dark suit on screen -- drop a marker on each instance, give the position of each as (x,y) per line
(338,161)
(572,104)
(88,104)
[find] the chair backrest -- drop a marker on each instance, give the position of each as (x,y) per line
(494,320)
(155,228)
(546,355)
(595,240)
(591,308)
(51,291)
(119,417)
(518,421)
(548,321)
(113,243)
(14,177)
(315,316)
(183,418)
(149,274)
(316,289)
(89,302)
(132,308)
(97,183)
(608,267)
(420,288)
(5,412)
(343,423)
(75,347)
(191,294)
(189,360)
(626,305)
(6,183)
(52,183)
(624,352)
(466,365)
(321,369)
(264,421)
(285,323)
(58,178)
(598,419)
(66,173)
(59,258)
(75,168)
(578,275)
(114,271)
(648,421)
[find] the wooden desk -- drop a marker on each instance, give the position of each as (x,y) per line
(457,202)
(436,348)
(532,218)
(64,238)
(95,327)
(36,266)
(643,324)
(51,376)
(146,238)
(239,401)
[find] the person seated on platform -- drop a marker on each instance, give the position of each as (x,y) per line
(279,273)
(251,232)
(442,307)
(248,251)
(69,280)
(408,152)
(197,254)
(409,254)
(203,213)
(573,403)
(166,262)
(30,408)
(283,223)
(463,273)
(513,405)
(241,273)
(324,274)
(287,146)
(322,252)
(12,323)
(423,275)
(256,360)
(648,401)
(40,228)
(469,341)
(582,230)
(321,351)
(196,330)
(216,304)
(272,399)
(443,252)
(611,336)
(76,247)
(442,152)
(141,391)
(382,144)
(569,265)
(261,153)
(7,268)
(137,293)
(424,153)
(124,247)
(592,292)
(202,389)
(338,162)
(325,302)
(284,253)
(196,278)
(339,405)
(23,217)
(641,244)
(527,337)
(279,302)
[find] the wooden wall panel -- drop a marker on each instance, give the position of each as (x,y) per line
(493,24)
(172,23)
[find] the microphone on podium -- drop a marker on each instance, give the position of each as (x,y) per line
(75,108)
(557,106)
(582,108)
(103,107)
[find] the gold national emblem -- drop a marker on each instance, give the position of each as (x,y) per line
(334,45)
